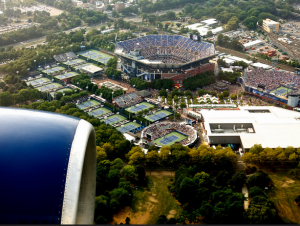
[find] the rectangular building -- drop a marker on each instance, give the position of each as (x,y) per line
(266,125)
(270,26)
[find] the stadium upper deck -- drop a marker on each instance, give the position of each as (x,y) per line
(166,49)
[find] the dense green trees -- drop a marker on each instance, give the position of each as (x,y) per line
(229,76)
(224,41)
(139,83)
(162,83)
(206,200)
(198,81)
(272,157)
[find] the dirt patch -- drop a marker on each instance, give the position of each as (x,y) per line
(135,218)
(152,199)
(170,216)
(173,212)
(287,183)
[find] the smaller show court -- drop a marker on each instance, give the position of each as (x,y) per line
(170,139)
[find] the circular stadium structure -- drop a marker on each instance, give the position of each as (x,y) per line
(169,133)
(163,56)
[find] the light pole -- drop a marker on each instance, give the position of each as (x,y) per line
(17,73)
(112,101)
(34,64)
(71,48)
(45,61)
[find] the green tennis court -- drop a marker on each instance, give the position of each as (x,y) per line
(61,90)
(281,91)
(170,139)
(128,127)
(158,115)
(66,75)
(113,119)
(53,70)
(87,104)
(49,86)
(139,107)
(99,112)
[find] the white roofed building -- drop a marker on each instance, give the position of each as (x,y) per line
(266,125)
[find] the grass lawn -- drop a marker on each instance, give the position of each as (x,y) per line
(148,204)
(180,138)
(286,189)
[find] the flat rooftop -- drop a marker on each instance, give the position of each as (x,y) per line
(272,126)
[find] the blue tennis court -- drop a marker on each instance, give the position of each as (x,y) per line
(158,116)
(111,120)
(88,54)
(97,112)
(38,81)
(126,128)
(138,108)
(169,139)
(87,104)
(67,75)
(104,59)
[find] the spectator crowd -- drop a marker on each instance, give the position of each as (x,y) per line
(271,79)
(168,48)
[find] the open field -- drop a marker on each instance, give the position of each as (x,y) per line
(148,205)
(286,189)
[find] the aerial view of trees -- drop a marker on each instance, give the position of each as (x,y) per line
(198,81)
(139,83)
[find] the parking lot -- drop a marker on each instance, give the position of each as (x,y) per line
(292,28)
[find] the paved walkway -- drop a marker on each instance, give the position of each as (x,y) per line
(245,192)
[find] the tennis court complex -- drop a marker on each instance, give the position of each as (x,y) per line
(75,61)
(49,86)
(129,126)
(140,107)
(38,81)
(99,112)
(158,115)
(114,119)
(78,67)
(170,139)
(54,69)
(61,90)
(66,75)
(89,103)
(96,55)
(282,91)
